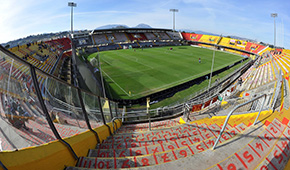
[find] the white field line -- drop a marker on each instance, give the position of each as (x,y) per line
(138,71)
(135,59)
(126,73)
(160,87)
(106,61)
(116,83)
(176,82)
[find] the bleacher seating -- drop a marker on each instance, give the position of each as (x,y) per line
(163,36)
(120,37)
(171,143)
(234,43)
(137,37)
(283,60)
(261,75)
(255,48)
(101,39)
(211,39)
(174,35)
(151,36)
(191,36)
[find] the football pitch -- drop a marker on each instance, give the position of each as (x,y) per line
(135,73)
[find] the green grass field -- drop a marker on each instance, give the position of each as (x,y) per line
(136,73)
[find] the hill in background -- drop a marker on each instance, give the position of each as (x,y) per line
(46,36)
(119,26)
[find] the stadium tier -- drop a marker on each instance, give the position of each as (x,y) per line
(174,35)
(191,37)
(101,39)
(137,37)
(240,122)
(120,37)
(151,36)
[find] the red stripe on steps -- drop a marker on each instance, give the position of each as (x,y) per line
(267,123)
(285,121)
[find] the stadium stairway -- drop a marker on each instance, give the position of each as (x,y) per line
(189,146)
(256,78)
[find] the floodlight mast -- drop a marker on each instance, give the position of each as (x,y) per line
(72,5)
(173,10)
(274,15)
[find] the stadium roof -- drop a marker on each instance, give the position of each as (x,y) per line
(130,30)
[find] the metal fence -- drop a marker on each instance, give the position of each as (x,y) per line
(201,99)
(37,108)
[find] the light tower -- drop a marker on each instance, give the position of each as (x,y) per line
(274,15)
(72,5)
(173,10)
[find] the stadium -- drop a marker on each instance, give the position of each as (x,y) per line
(144,98)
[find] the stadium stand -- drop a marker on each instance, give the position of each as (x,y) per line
(120,37)
(234,43)
(100,39)
(174,35)
(34,107)
(209,39)
(163,36)
(252,47)
(283,61)
(151,36)
(137,37)
(191,36)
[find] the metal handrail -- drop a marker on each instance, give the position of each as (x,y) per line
(118,117)
(134,116)
(238,106)
(277,90)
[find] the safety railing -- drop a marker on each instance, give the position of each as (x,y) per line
(216,86)
(37,108)
(201,97)
(278,88)
(238,106)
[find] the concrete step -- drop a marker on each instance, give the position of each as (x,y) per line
(219,120)
(249,156)
(163,160)
(186,131)
(279,156)
(175,120)
(155,156)
(144,128)
(151,138)
(190,147)
(132,134)
(185,128)
(226,151)
(123,130)
(162,144)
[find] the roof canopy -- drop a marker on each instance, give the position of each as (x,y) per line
(129,30)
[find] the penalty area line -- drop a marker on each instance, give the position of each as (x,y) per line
(116,83)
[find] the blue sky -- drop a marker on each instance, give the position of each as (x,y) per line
(249,19)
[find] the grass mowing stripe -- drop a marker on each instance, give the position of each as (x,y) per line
(133,59)
(153,69)
(116,83)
